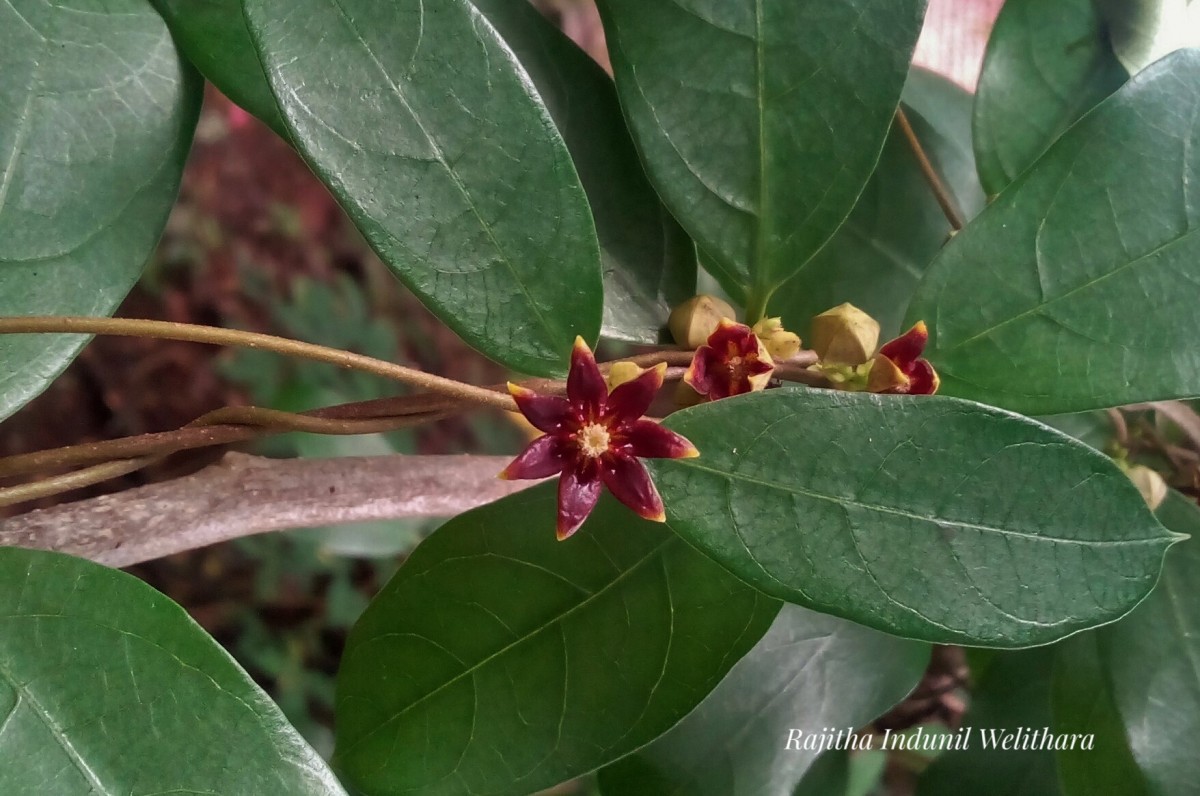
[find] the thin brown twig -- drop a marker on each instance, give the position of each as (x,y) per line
(931,176)
(76,479)
(253,422)
(211,335)
(230,425)
(793,371)
(275,421)
(1120,427)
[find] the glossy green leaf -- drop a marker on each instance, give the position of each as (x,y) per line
(1152,661)
(213,35)
(922,516)
(96,115)
(430,135)
(1142,31)
(808,673)
(108,687)
(1087,262)
(876,258)
(1093,428)
(867,770)
(500,661)
(649,263)
(1046,65)
(1134,684)
(1012,697)
(829,775)
(760,120)
(1081,701)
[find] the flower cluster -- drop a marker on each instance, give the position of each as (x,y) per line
(844,339)
(594,437)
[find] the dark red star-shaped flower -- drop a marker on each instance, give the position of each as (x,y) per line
(594,437)
(733,362)
(899,367)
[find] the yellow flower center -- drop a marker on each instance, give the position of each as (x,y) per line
(593,440)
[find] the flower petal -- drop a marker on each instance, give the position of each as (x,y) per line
(757,367)
(649,440)
(886,376)
(629,482)
(908,346)
(578,491)
(586,387)
(547,413)
(699,375)
(543,457)
(731,334)
(923,379)
(630,400)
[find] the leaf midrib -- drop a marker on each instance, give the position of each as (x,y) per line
(914,516)
(758,268)
(555,620)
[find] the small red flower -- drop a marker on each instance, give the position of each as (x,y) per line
(733,362)
(594,437)
(908,373)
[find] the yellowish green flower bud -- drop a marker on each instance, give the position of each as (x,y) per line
(844,335)
(1149,483)
(695,319)
(849,378)
(780,343)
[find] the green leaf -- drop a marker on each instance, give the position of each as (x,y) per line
(1087,262)
(1142,31)
(1012,697)
(867,770)
(876,258)
(1135,684)
(649,262)
(430,135)
(808,673)
(500,661)
(106,686)
(1082,702)
(1152,660)
(829,775)
(96,115)
(760,120)
(1046,65)
(922,516)
(214,37)
(1092,428)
